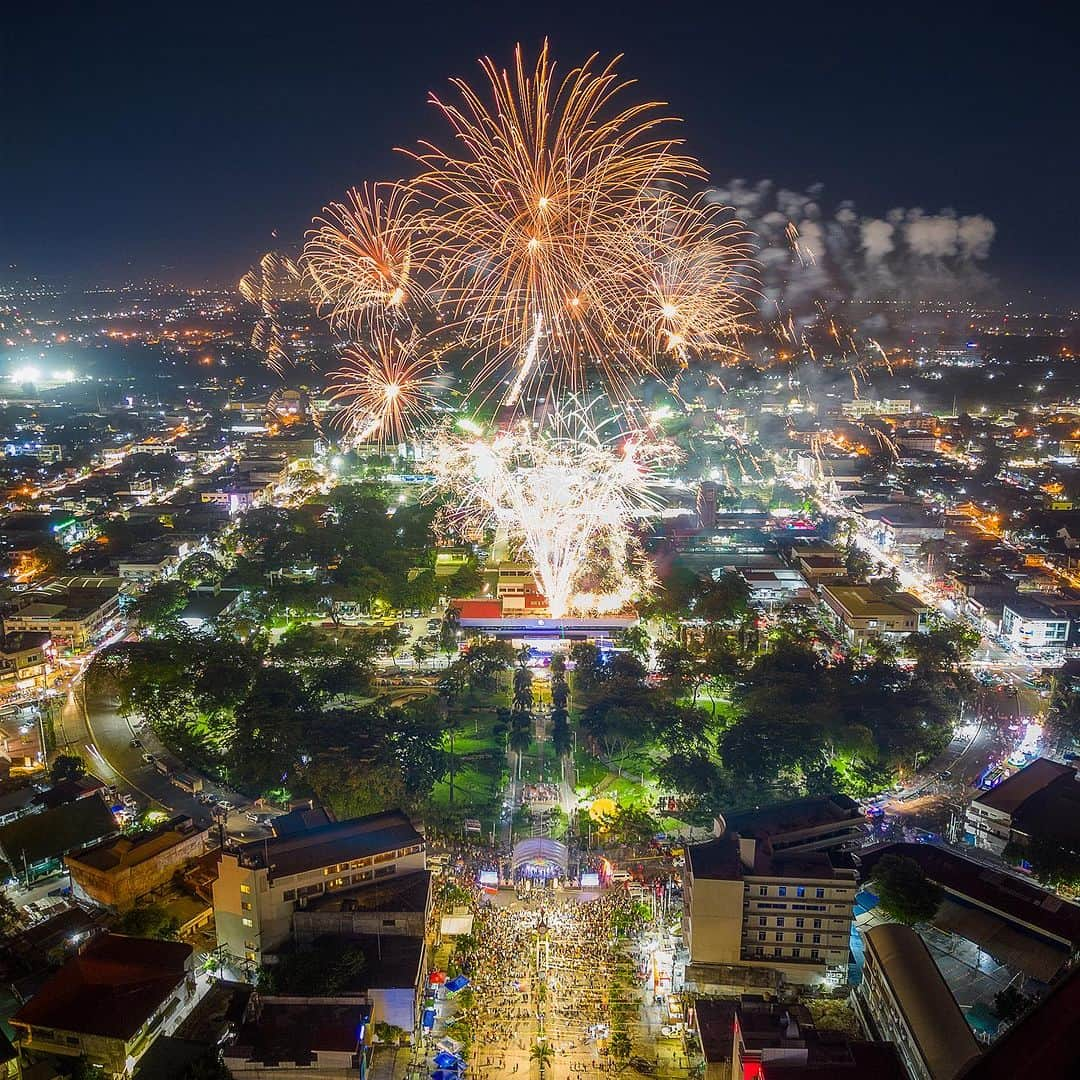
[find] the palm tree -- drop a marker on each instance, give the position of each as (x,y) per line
(542,1054)
(520,741)
(420,654)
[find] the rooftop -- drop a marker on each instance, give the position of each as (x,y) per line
(1027,606)
(799,1048)
(1011,794)
(291,1030)
(111,988)
(55,832)
(1004,893)
(869,601)
(409,892)
(1041,1043)
(930,1012)
(795,816)
(124,852)
(339,841)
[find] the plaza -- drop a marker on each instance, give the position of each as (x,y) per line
(561,985)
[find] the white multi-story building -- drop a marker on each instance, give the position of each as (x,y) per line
(259,887)
(1032,624)
(745,905)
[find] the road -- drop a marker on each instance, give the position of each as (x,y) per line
(92,728)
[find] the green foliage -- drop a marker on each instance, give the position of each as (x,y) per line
(1010,1003)
(330,967)
(66,767)
(200,568)
(149,921)
(1051,859)
(11,917)
(160,604)
(905,892)
(826,726)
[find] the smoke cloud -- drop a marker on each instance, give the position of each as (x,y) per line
(837,254)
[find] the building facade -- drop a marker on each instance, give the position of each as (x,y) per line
(117,872)
(745,905)
(259,887)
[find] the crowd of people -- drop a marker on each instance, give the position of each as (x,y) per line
(543,972)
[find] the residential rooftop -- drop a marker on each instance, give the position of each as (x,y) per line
(109,989)
(125,852)
(1013,792)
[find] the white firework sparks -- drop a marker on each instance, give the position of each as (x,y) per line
(567,494)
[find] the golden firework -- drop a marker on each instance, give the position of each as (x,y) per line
(262,286)
(361,258)
(681,276)
(527,206)
(387,388)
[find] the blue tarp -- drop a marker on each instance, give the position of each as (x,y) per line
(445,1074)
(458,982)
(428,1019)
(448,1061)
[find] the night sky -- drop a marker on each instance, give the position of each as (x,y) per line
(171,139)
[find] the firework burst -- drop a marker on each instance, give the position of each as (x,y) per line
(528,212)
(682,277)
(362,261)
(386,389)
(263,286)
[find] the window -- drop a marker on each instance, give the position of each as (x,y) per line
(778,952)
(796,953)
(779,935)
(389,922)
(816,939)
(384,870)
(798,936)
(781,890)
(247,922)
(779,920)
(250,954)
(819,893)
(762,921)
(245,905)
(800,890)
(288,894)
(800,921)
(761,935)
(249,944)
(245,888)
(763,890)
(815,953)
(817,924)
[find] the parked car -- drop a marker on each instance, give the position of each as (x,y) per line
(136,744)
(148,758)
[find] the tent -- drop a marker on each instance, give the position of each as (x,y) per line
(458,982)
(437,977)
(445,1074)
(427,1021)
(444,1060)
